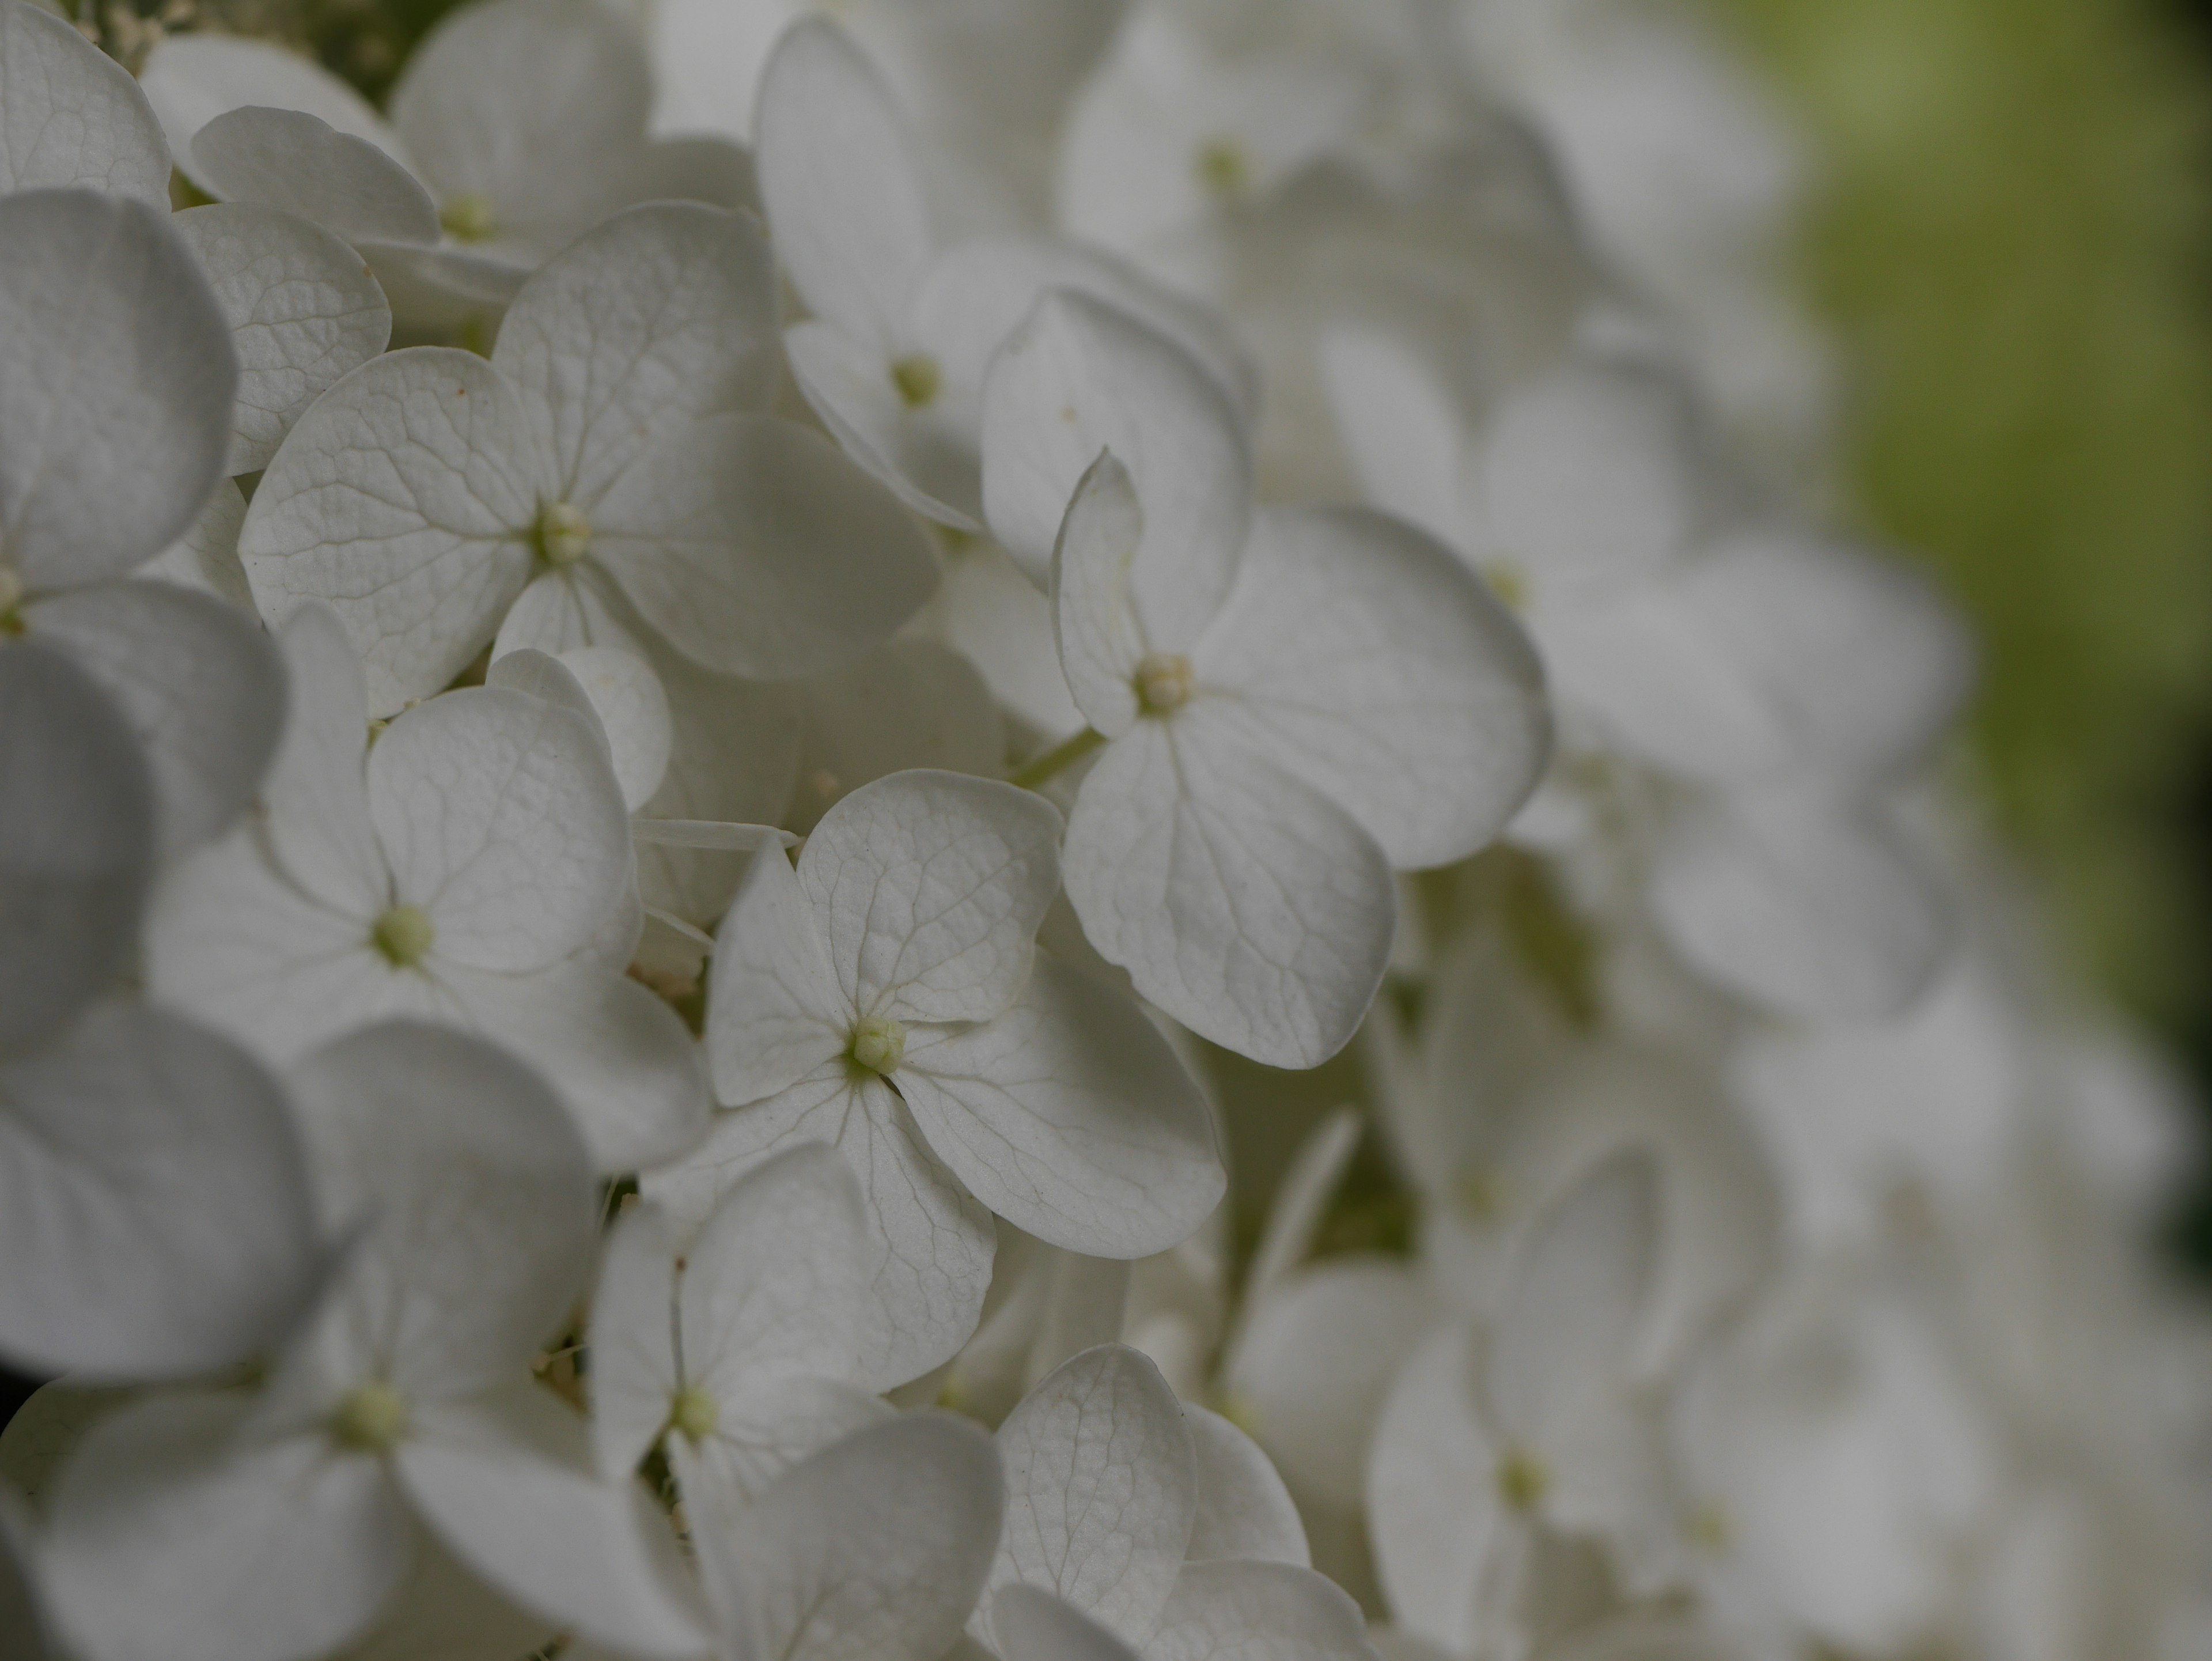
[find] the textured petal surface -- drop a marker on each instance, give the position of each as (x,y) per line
(76,841)
(1364,659)
(634,1377)
(1031,1625)
(1101,1488)
(928,888)
(302,164)
(1243,901)
(775,1014)
(1245,1511)
(191,79)
(70,114)
(202,689)
(115,411)
(617,689)
(406,499)
(302,311)
(1071,1117)
(156,1205)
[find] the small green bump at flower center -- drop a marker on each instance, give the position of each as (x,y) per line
(918,379)
(404,934)
(1711,1529)
(695,1414)
(1509,583)
(564,535)
(1523,1482)
(1163,683)
(468,218)
(1224,168)
(371,1419)
(878,1043)
(1481,1193)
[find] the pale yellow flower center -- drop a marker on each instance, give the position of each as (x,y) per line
(468,218)
(564,535)
(371,1419)
(918,380)
(878,1043)
(695,1414)
(404,934)
(1224,168)
(1164,683)
(1522,1481)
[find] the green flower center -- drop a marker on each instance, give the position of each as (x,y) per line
(404,934)
(468,218)
(878,1043)
(696,1413)
(564,535)
(371,1419)
(1224,168)
(1163,683)
(1523,1482)
(918,380)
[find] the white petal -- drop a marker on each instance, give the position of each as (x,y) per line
(406,498)
(300,164)
(1078,377)
(526,104)
(909,704)
(928,888)
(115,411)
(873,1549)
(203,690)
(757,549)
(1046,1305)
(442,1612)
(776,1281)
(316,802)
(70,114)
(205,558)
(1101,1488)
(836,177)
(617,689)
(777,1421)
(1245,1511)
(1029,1624)
(635,1378)
(622,1060)
(302,310)
(1402,430)
(190,79)
(1365,659)
(933,1243)
(1594,479)
(925,457)
(1244,904)
(232,1549)
(1436,1516)
(1281,1610)
(1802,905)
(445,287)
(508,1487)
(1100,647)
(76,841)
(1070,1116)
(775,1014)
(500,816)
(662,316)
(1574,1302)
(155,1200)
(472,1195)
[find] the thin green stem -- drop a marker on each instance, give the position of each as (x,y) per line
(1058,759)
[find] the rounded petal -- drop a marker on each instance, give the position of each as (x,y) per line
(1283,1611)
(232,1548)
(1804,905)
(909,703)
(499,814)
(1434,1512)
(156,1207)
(634,1377)
(302,310)
(406,499)
(297,163)
(1242,901)
(875,1546)
(115,411)
(1362,657)
(1078,377)
(1100,647)
(775,1014)
(1101,1488)
(191,79)
(928,888)
(70,114)
(925,457)
(661,316)
(1029,1624)
(202,687)
(620,693)
(76,841)
(205,558)
(1071,1117)
(836,177)
(757,549)
(1245,1511)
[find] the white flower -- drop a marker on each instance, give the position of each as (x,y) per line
(893,358)
(1494,1444)
(1294,699)
(518,124)
(157,1221)
(611,445)
(263,1528)
(1138,1526)
(71,115)
(886,997)
(473,867)
(742,1344)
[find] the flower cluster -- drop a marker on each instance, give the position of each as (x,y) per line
(667,717)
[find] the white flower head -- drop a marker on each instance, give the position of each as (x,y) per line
(472,867)
(259,1529)
(886,996)
(612,446)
